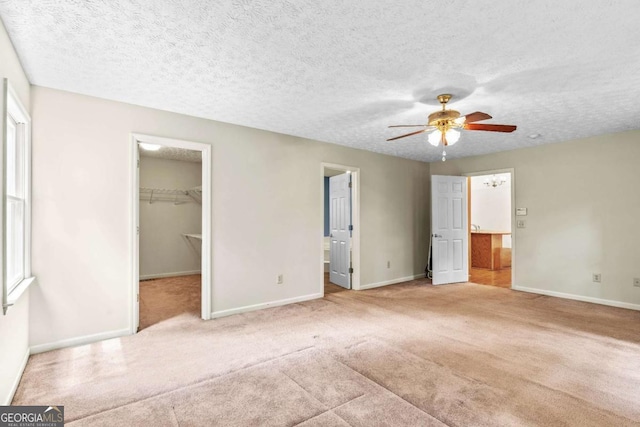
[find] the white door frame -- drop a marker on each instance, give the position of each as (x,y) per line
(512,172)
(355,213)
(206,280)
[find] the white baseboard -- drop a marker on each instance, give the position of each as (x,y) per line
(174,274)
(254,307)
(392,281)
(16,381)
(593,300)
(73,342)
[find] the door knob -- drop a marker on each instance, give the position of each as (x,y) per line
(437,235)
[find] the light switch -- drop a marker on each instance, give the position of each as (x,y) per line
(521,211)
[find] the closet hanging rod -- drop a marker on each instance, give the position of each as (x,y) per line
(164,191)
(178,197)
(193,194)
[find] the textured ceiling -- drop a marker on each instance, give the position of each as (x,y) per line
(341,71)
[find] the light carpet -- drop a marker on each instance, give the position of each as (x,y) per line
(165,298)
(410,354)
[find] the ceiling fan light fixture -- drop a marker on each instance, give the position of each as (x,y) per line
(447,123)
(435,137)
(452,136)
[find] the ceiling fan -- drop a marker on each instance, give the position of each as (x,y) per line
(445,125)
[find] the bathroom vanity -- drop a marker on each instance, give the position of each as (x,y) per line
(486,248)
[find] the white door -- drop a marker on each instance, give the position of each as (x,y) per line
(450,238)
(339,226)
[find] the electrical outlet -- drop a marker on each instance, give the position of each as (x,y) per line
(636,282)
(521,223)
(388,264)
(280,279)
(597,277)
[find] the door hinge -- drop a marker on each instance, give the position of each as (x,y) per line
(350,270)
(349,184)
(351,228)
(138,230)
(138,163)
(138,298)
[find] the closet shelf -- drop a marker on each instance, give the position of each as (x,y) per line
(194,236)
(177,196)
(196,193)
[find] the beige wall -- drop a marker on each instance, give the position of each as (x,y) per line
(267,212)
(583,214)
(14,327)
(164,251)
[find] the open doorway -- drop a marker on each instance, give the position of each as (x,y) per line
(490,226)
(170,233)
(341,236)
(171,242)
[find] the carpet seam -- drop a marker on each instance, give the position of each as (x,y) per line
(318,400)
(329,409)
(541,326)
(544,387)
(316,416)
(306,391)
(196,383)
(390,391)
(345,403)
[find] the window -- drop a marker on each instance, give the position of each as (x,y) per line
(17,209)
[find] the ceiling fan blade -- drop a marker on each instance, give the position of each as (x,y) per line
(490,128)
(409,134)
(476,117)
(406,126)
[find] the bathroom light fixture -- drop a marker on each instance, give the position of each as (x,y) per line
(149,147)
(495,181)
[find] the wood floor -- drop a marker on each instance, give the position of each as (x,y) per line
(500,278)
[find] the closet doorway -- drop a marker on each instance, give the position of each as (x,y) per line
(171,236)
